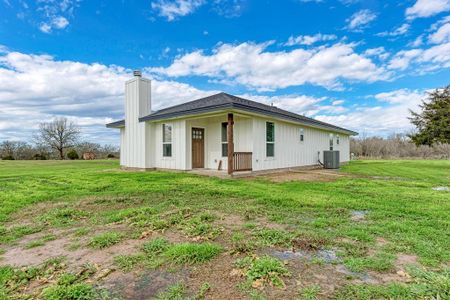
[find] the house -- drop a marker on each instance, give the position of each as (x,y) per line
(220,132)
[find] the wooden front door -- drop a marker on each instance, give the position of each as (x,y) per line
(198,148)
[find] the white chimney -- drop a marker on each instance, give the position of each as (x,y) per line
(137,96)
(136,134)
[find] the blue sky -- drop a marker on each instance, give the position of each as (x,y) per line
(355,63)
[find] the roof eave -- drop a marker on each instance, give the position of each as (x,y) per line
(238,106)
(117,124)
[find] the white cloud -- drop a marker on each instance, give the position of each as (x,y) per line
(90,94)
(379,52)
(251,65)
(177,8)
(417,42)
(442,34)
(423,60)
(382,119)
(397,31)
(309,39)
(360,20)
(427,8)
(54,14)
(45,28)
(402,96)
(60,22)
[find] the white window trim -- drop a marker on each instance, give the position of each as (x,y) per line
(302,134)
(167,143)
(226,137)
(273,142)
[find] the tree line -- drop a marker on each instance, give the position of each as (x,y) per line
(396,146)
(58,139)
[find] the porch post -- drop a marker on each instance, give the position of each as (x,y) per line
(230,143)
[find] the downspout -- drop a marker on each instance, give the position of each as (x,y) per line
(318,159)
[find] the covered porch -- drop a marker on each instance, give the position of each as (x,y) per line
(220,143)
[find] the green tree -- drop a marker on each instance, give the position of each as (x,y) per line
(433,122)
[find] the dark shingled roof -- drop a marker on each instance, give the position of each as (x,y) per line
(225,101)
(116,124)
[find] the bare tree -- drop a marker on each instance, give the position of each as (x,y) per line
(59,135)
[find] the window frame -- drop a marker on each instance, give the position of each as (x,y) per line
(224,139)
(337,140)
(331,138)
(272,142)
(302,135)
(166,143)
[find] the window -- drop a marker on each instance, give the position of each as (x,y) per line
(337,139)
(331,141)
(302,134)
(224,139)
(270,139)
(167,140)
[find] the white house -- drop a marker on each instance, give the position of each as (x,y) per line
(220,131)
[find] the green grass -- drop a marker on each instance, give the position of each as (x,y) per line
(105,240)
(190,253)
(127,262)
(40,242)
(402,209)
(310,292)
(156,246)
(266,269)
(425,285)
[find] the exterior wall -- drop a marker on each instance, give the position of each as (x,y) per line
(135,146)
(289,150)
(249,136)
(213,139)
(178,159)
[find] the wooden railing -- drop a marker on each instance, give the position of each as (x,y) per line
(242,161)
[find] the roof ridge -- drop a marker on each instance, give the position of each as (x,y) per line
(184,103)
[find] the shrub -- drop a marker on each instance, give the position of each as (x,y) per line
(110,155)
(72,154)
(39,156)
(8,157)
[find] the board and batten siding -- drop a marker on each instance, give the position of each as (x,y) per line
(178,159)
(213,139)
(289,150)
(135,146)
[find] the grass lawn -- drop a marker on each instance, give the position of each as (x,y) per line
(86,229)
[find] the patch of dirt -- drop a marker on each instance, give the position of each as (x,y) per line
(19,257)
(231,222)
(320,175)
(380,242)
(141,285)
(219,273)
(308,244)
(358,215)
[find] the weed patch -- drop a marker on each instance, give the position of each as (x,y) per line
(105,240)
(273,237)
(40,242)
(262,270)
(127,262)
(60,217)
(190,253)
(155,246)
